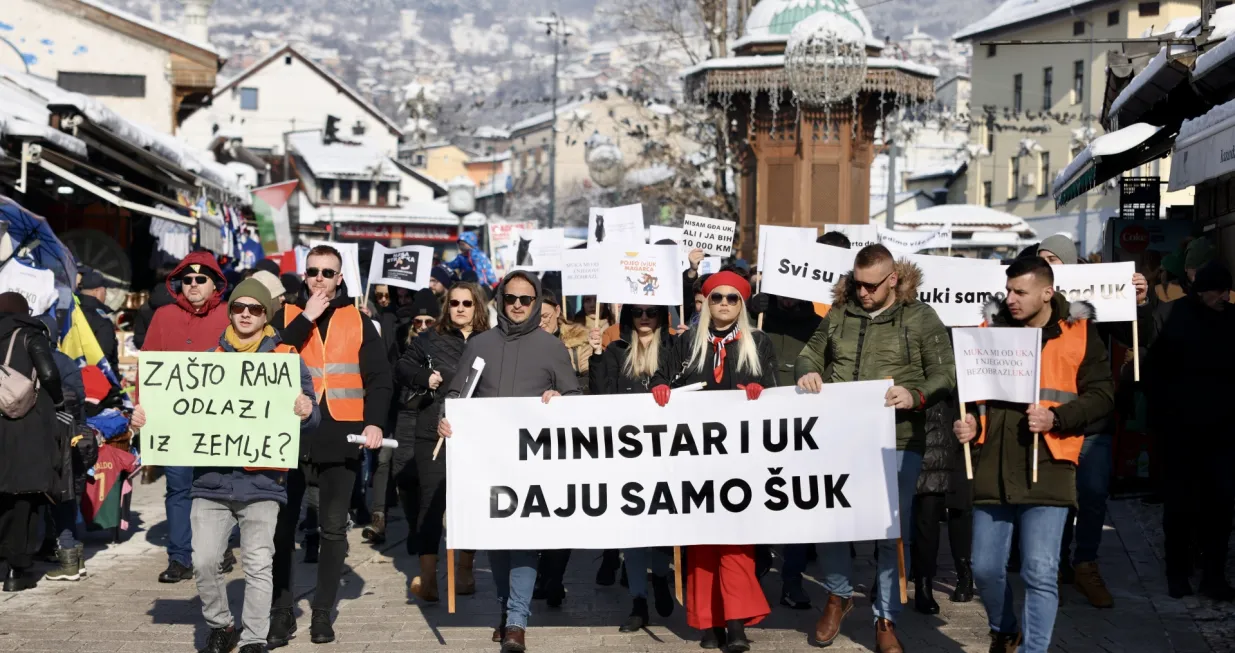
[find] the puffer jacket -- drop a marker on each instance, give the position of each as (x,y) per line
(428,352)
(29,448)
(906,342)
(678,371)
(943,451)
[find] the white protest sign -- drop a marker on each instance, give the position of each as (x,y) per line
(541,249)
(910,242)
(958,288)
(405,267)
(504,244)
(714,237)
(803,270)
(859,235)
(657,234)
(621,225)
(351,264)
(997,363)
(803,234)
(1108,286)
(618,471)
(644,275)
(580,272)
(711,265)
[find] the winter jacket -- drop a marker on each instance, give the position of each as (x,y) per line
(179,326)
(521,359)
(789,329)
(606,375)
(906,342)
(475,261)
(30,445)
(1190,371)
(160,296)
(678,372)
(98,316)
(236,484)
(1002,464)
(328,444)
(429,352)
(943,451)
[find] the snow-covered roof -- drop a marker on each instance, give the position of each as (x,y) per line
(779,17)
(1158,73)
(1198,128)
(148,24)
(1223,23)
(765,39)
(1015,12)
(933,173)
(963,214)
(778,61)
(499,184)
(544,118)
(491,132)
(24,114)
(1115,142)
(341,159)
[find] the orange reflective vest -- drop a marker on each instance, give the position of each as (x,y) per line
(1061,361)
(278,349)
(335,363)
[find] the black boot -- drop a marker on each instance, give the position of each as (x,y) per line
(609,563)
(964,582)
(713,638)
(735,632)
(222,640)
(282,628)
(175,573)
(375,533)
(638,617)
(320,629)
(312,544)
(923,599)
(19,580)
(229,562)
(663,595)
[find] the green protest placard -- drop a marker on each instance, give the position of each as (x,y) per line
(219,409)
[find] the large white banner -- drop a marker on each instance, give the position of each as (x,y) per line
(997,363)
(646,274)
(859,235)
(911,242)
(405,267)
(580,272)
(620,225)
(803,269)
(351,264)
(958,288)
(1108,286)
(714,237)
(618,471)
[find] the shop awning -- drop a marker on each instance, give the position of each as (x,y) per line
(1109,156)
(105,194)
(1156,93)
(1205,148)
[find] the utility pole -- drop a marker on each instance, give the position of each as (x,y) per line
(891,210)
(556,28)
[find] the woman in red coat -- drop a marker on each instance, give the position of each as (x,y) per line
(726,353)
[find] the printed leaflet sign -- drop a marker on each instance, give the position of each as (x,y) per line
(405,267)
(646,275)
(997,364)
(714,237)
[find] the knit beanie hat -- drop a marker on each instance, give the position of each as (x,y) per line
(1061,246)
(254,289)
(273,285)
(1212,276)
(1199,252)
(425,303)
(442,275)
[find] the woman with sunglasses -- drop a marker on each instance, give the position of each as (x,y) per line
(627,366)
(426,369)
(726,353)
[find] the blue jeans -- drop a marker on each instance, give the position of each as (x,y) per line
(638,562)
(791,574)
(514,573)
(1040,529)
(179,514)
(837,566)
(1093,484)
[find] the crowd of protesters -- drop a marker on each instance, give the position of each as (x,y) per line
(384,366)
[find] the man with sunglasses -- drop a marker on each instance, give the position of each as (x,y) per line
(352,380)
(193,322)
(521,360)
(877,329)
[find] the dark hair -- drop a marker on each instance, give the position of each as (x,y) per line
(13,302)
(606,312)
(325,250)
(1038,267)
(835,239)
(872,255)
(480,312)
(665,241)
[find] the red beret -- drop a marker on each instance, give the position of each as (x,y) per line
(727,278)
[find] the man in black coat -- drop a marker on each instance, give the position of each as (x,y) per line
(92,292)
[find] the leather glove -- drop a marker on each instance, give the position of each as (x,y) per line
(758,304)
(753,390)
(661,394)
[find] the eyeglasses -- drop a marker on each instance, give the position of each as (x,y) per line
(525,300)
(256,310)
(423,322)
(465,303)
(327,273)
(731,298)
(872,287)
(641,312)
(194,280)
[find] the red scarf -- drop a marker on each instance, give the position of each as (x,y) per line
(718,346)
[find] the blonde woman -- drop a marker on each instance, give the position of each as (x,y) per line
(726,353)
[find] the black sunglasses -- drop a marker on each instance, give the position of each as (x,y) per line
(640,312)
(424,321)
(525,300)
(732,298)
(326,273)
(465,303)
(256,310)
(872,287)
(194,280)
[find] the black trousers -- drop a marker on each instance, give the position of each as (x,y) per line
(1199,498)
(19,528)
(334,483)
(384,492)
(421,484)
(928,511)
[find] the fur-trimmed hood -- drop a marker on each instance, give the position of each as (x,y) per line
(908,278)
(995,312)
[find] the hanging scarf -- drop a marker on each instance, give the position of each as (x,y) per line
(718,347)
(246,347)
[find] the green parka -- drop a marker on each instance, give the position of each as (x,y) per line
(906,342)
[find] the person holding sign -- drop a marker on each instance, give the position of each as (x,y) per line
(250,497)
(627,366)
(1076,392)
(352,380)
(521,360)
(725,352)
(877,329)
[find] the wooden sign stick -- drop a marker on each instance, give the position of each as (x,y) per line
(450,580)
(677,574)
(968,456)
(1136,352)
(900,565)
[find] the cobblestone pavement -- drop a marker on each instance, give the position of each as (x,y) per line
(121,607)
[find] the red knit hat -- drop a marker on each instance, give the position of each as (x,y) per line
(727,278)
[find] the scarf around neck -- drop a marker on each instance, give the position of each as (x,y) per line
(246,347)
(718,347)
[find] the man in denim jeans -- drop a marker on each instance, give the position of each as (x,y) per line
(1076,392)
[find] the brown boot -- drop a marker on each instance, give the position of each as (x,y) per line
(465,582)
(515,641)
(424,586)
(828,625)
(885,637)
(1089,582)
(1005,642)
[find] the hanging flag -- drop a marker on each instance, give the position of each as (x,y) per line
(80,344)
(270,208)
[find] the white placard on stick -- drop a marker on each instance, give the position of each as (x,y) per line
(640,275)
(619,471)
(859,235)
(580,272)
(405,267)
(911,242)
(803,270)
(958,288)
(714,237)
(997,363)
(351,264)
(620,225)
(1108,286)
(804,234)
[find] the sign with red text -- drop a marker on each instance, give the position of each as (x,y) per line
(997,363)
